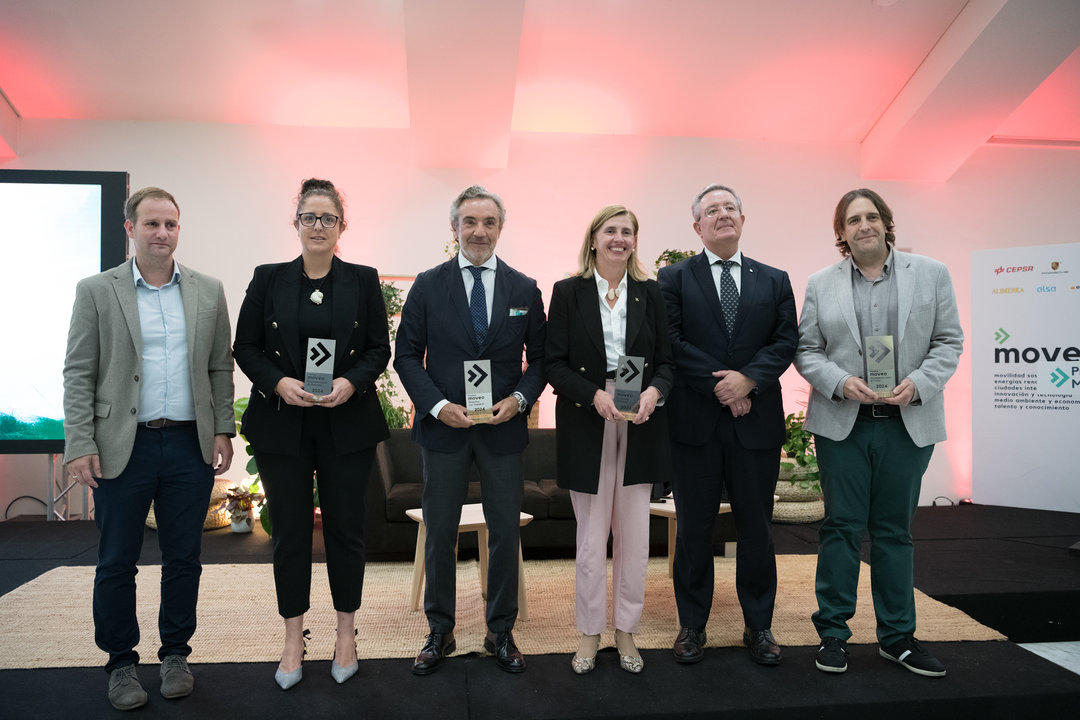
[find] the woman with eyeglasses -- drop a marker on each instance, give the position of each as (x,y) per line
(314,316)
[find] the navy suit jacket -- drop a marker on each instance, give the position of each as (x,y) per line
(436,337)
(268,348)
(762,346)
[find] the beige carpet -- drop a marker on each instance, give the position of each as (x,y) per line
(48,623)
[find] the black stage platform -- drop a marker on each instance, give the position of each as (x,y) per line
(1009,568)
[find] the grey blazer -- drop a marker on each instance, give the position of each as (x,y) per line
(929,344)
(104,361)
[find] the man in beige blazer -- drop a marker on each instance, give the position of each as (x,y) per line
(877,304)
(148,392)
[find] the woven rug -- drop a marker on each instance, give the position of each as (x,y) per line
(48,623)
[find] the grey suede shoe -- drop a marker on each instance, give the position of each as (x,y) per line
(176,679)
(125,692)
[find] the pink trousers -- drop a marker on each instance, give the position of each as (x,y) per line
(622,511)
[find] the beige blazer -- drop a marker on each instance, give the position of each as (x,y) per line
(104,362)
(929,342)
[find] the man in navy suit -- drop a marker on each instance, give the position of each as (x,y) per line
(733,333)
(473,307)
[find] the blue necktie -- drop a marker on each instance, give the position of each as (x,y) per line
(478,305)
(729,296)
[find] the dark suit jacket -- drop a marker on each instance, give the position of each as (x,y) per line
(267,348)
(762,346)
(576,363)
(436,337)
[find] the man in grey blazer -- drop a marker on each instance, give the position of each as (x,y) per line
(148,392)
(897,312)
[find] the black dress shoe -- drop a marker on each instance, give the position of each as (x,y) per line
(437,647)
(763,647)
(689,645)
(507,656)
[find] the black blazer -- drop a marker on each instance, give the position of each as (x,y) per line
(762,346)
(576,363)
(436,337)
(267,348)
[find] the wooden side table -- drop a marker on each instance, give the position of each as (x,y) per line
(472,520)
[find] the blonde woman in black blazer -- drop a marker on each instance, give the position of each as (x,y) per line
(296,434)
(608,463)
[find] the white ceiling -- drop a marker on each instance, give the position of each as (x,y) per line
(920,83)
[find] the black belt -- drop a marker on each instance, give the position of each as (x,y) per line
(610,375)
(165,423)
(878,411)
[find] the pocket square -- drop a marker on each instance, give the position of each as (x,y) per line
(518,312)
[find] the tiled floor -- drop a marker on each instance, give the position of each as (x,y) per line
(1065,654)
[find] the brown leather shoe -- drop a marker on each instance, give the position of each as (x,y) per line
(437,647)
(507,656)
(763,647)
(689,646)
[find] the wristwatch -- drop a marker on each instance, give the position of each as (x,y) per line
(521,401)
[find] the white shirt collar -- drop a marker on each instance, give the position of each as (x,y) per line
(137,276)
(713,257)
(602,284)
(491,263)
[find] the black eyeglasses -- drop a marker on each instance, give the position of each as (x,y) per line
(308,220)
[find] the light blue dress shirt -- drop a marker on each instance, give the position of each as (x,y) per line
(165,385)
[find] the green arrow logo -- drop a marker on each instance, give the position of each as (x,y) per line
(1001,336)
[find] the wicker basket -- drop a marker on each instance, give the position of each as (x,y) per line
(216,515)
(798,512)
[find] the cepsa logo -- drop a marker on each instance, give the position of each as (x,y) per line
(1014,269)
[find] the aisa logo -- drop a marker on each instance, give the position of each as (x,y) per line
(1013,269)
(1046,289)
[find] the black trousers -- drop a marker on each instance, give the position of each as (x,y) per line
(288,481)
(446,484)
(701,472)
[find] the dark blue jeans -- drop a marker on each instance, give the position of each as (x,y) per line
(166,466)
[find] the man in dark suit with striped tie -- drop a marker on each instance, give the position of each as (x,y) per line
(473,307)
(733,333)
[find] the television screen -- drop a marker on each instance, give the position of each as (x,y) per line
(56,227)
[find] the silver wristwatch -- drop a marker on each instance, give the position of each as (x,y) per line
(521,401)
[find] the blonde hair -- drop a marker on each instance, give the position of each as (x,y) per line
(587,257)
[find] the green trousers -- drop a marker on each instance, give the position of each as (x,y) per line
(871,481)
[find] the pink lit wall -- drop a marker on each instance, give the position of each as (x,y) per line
(235,185)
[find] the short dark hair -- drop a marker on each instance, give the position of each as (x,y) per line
(131,207)
(841,215)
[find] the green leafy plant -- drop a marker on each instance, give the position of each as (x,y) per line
(799,447)
(395,412)
(670,257)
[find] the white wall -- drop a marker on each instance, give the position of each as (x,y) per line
(236,184)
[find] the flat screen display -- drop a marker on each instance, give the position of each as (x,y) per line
(56,227)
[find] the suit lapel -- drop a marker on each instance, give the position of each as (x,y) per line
(699,268)
(346,300)
(905,293)
(635,310)
(286,308)
(500,304)
(588,303)
(189,295)
(124,287)
(454,282)
(846,298)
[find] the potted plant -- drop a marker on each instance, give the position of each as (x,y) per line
(240,504)
(798,484)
